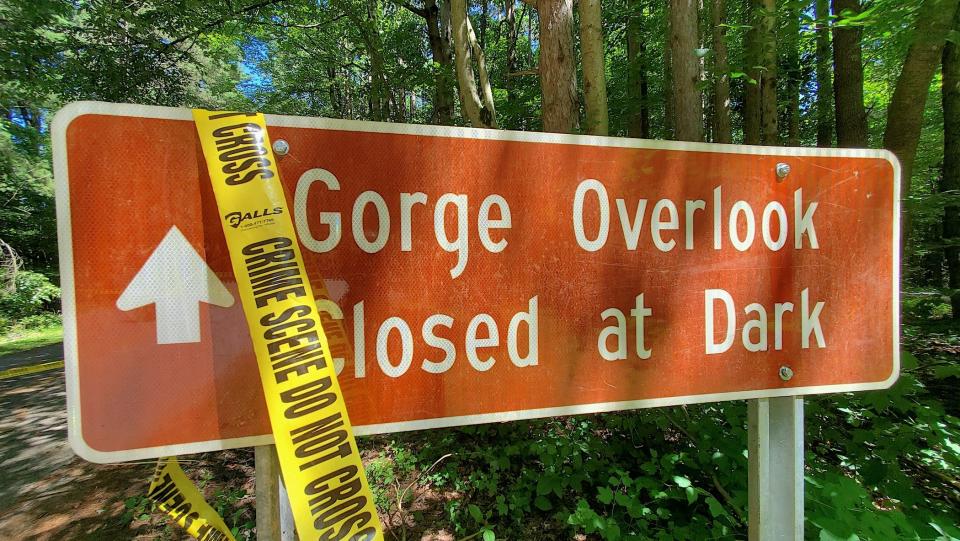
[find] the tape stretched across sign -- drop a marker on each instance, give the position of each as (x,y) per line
(476,275)
(318,454)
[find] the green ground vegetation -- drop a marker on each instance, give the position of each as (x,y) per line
(17,340)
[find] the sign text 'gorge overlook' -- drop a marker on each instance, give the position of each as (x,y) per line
(738,223)
(463,275)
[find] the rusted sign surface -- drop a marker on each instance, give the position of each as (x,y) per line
(470,275)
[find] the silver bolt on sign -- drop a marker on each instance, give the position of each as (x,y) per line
(783,170)
(786,373)
(282,148)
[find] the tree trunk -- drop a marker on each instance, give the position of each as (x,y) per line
(484,12)
(478,110)
(510,13)
(379,87)
(399,101)
(824,77)
(794,75)
(688,103)
(379,96)
(348,102)
(669,118)
(558,81)
(437,17)
(951,167)
(848,79)
(722,132)
(594,67)
(905,112)
(768,81)
(336,105)
(489,110)
(706,102)
(532,14)
(638,107)
(754,54)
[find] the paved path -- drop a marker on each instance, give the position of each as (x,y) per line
(47,492)
(53,352)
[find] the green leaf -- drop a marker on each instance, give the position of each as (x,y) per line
(549,483)
(475,513)
(681,481)
(825,535)
(543,503)
(604,495)
(502,508)
(611,530)
(947,371)
(488,535)
(715,507)
(953,36)
(907,360)
(874,472)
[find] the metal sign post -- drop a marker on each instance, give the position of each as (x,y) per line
(274,515)
(287,528)
(267,480)
(775,434)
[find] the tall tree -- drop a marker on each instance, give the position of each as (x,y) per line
(848,77)
(477,103)
(684,39)
(824,77)
(951,167)
(484,18)
(791,43)
(638,95)
(905,112)
(366,20)
(666,82)
(557,72)
(754,58)
(510,17)
(721,73)
(594,67)
(436,16)
(768,77)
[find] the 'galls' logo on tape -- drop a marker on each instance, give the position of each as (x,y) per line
(236,219)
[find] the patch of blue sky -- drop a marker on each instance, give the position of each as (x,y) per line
(255,80)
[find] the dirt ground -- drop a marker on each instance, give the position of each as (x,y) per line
(47,492)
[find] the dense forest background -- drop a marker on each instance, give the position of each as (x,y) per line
(848,73)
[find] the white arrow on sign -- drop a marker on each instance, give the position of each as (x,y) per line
(176,279)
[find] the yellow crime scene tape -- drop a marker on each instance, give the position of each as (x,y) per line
(208,523)
(319,458)
(32,369)
(176,495)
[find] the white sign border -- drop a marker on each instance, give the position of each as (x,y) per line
(74,110)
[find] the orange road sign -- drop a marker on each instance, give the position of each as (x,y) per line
(468,276)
